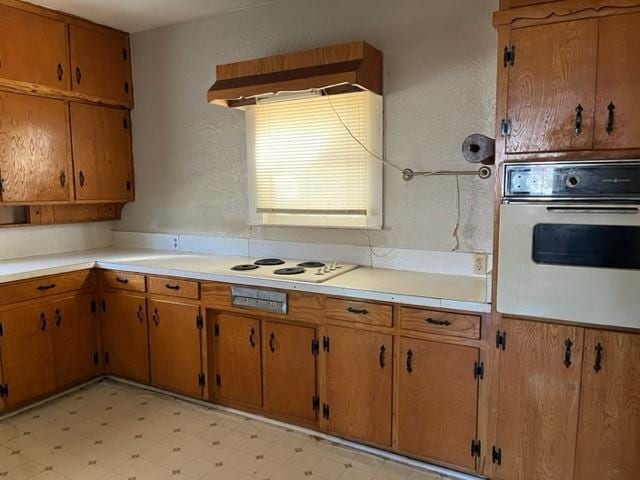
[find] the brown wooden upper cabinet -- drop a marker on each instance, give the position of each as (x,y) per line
(35,157)
(100,63)
(101,153)
(33,48)
(573,86)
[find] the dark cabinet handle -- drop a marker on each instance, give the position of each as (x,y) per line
(78,75)
(43,288)
(43,322)
(60,72)
(252,338)
(81,178)
(568,345)
(122,280)
(381,359)
(272,345)
(58,318)
(172,287)
(598,364)
(156,317)
(611,118)
(444,323)
(63,178)
(579,111)
(126,87)
(410,361)
(140,314)
(358,311)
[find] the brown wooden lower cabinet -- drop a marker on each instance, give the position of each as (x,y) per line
(359,384)
(609,427)
(175,337)
(438,401)
(125,336)
(539,393)
(75,345)
(290,376)
(237,360)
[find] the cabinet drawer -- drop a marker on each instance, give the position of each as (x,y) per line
(173,287)
(362,312)
(443,323)
(44,286)
(133,282)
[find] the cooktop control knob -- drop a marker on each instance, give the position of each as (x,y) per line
(332,267)
(319,271)
(572,181)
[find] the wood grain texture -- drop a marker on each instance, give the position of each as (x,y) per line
(73,213)
(100,63)
(358,311)
(35,159)
(438,395)
(440,322)
(134,282)
(538,401)
(174,347)
(26,348)
(554,73)
(74,340)
(174,287)
(289,370)
(125,336)
(44,287)
(618,82)
(33,48)
(237,360)
(609,428)
(101,153)
(358,388)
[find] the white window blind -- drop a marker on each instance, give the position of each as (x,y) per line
(305,167)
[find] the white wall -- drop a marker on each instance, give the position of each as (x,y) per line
(440,61)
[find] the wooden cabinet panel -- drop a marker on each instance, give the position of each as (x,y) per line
(101,153)
(45,286)
(441,323)
(553,73)
(124,336)
(618,83)
(438,401)
(175,347)
(74,340)
(174,287)
(288,355)
(538,400)
(100,63)
(133,282)
(609,429)
(35,158)
(237,360)
(26,349)
(361,312)
(33,48)
(358,384)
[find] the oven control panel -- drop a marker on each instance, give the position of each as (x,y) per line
(258,299)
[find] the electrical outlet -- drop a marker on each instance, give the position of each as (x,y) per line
(480,263)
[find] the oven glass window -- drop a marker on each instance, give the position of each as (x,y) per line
(605,246)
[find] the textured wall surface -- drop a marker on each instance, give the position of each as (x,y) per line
(440,66)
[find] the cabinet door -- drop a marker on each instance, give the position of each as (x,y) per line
(35,159)
(74,340)
(609,429)
(438,401)
(26,350)
(101,152)
(100,63)
(358,388)
(124,333)
(288,355)
(539,390)
(174,347)
(552,78)
(238,377)
(33,48)
(618,90)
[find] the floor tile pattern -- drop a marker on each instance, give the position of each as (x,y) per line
(112,431)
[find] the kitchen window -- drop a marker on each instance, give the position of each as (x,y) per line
(311,163)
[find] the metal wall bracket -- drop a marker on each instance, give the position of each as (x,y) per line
(482,172)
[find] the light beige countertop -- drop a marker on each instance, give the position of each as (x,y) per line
(460,292)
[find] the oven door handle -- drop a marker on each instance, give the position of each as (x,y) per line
(596,210)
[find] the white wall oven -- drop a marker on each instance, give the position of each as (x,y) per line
(570,242)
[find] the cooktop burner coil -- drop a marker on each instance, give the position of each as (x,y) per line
(244,267)
(269,261)
(311,264)
(289,271)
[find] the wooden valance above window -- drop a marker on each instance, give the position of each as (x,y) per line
(339,68)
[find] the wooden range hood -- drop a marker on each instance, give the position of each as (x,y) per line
(341,68)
